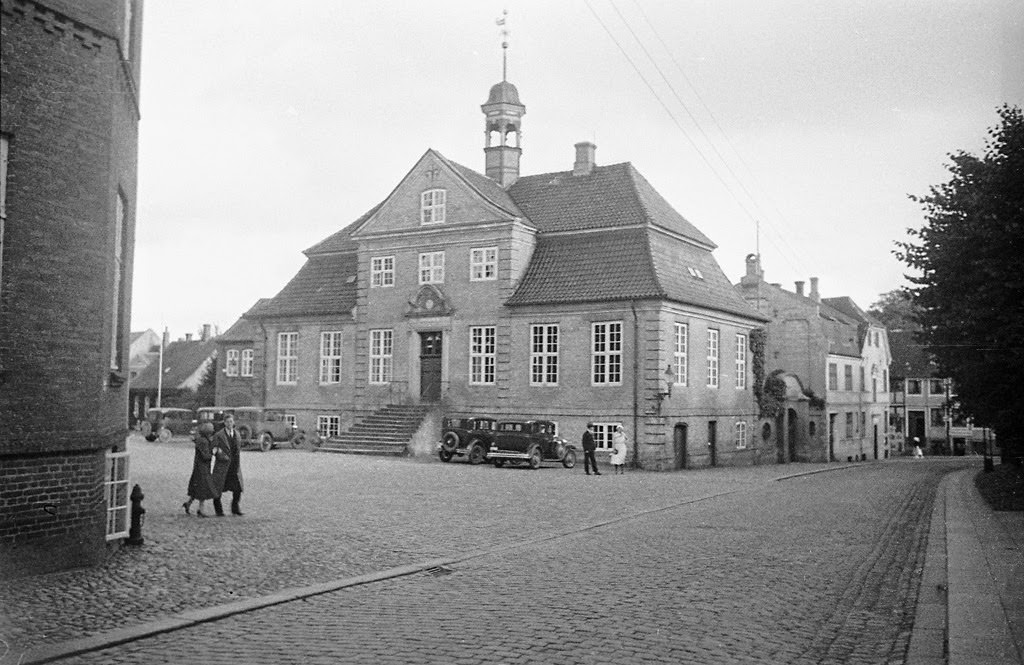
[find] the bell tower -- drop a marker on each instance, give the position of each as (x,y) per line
(503,114)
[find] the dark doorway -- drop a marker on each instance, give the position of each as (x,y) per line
(793,433)
(430,366)
(832,437)
(915,427)
(713,442)
(876,440)
(679,445)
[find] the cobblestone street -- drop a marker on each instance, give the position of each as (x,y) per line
(711,566)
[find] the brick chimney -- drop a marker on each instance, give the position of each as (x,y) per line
(188,337)
(814,295)
(799,287)
(584,158)
(206,332)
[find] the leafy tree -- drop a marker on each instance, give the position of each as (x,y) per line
(896,310)
(969,284)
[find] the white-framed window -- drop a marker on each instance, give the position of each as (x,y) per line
(382,349)
(481,355)
(382,272)
(120,224)
(330,357)
(848,377)
(287,357)
(290,420)
(483,264)
(680,366)
(544,355)
(432,206)
(603,434)
(712,358)
(328,426)
(231,363)
(116,495)
(248,357)
(741,434)
(606,353)
(741,362)
(432,268)
(833,376)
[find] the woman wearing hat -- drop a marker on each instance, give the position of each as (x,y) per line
(200,485)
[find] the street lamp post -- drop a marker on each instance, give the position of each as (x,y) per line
(949,416)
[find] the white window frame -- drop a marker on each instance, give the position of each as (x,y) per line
(248,360)
(330,357)
(291,420)
(287,358)
(606,353)
(432,268)
(483,264)
(120,221)
(603,434)
(741,434)
(382,272)
(116,495)
(741,361)
(833,376)
(433,204)
(544,354)
(231,362)
(328,426)
(680,363)
(713,347)
(382,349)
(482,355)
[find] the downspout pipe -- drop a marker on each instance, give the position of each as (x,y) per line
(263,379)
(636,386)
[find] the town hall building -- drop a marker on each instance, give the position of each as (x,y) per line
(575,296)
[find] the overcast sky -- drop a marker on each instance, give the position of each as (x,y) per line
(266,126)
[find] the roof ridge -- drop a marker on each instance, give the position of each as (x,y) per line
(459,168)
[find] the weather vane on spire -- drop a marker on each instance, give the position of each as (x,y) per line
(504,43)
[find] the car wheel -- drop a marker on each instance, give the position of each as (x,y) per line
(298,439)
(266,442)
(315,440)
(165,435)
(476,453)
(498,463)
(569,461)
(244,433)
(450,442)
(445,455)
(535,459)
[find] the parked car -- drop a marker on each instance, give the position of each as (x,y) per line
(466,436)
(165,422)
(530,441)
(263,428)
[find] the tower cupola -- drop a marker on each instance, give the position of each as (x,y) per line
(503,116)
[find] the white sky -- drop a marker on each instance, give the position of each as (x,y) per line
(267,126)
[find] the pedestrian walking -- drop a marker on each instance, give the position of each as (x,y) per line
(618,455)
(917,448)
(588,450)
(200,484)
(228,471)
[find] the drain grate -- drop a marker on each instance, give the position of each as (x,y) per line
(438,571)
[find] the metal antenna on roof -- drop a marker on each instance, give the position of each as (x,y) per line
(504,44)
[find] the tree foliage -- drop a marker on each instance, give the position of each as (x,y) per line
(896,310)
(968,279)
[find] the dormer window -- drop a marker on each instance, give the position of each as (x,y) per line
(432,205)
(695,273)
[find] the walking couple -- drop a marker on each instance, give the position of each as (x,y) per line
(224,448)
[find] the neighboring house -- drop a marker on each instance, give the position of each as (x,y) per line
(184,365)
(239,372)
(69,114)
(924,403)
(833,364)
(143,349)
(575,296)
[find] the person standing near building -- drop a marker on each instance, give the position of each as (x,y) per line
(618,456)
(229,469)
(588,450)
(200,484)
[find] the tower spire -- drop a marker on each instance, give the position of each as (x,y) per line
(503,22)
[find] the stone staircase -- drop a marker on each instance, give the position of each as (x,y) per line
(383,432)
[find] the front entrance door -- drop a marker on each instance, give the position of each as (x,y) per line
(713,441)
(430,366)
(679,444)
(832,437)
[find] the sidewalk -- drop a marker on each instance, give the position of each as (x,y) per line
(971,603)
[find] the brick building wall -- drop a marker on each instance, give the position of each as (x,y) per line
(69,109)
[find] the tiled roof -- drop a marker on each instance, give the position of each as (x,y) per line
(242,330)
(181,360)
(487,187)
(610,196)
(341,241)
(326,284)
(909,357)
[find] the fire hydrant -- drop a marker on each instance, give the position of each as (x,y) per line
(138,517)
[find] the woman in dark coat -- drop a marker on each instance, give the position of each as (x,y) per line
(200,485)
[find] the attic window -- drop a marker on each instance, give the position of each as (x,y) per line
(432,206)
(695,273)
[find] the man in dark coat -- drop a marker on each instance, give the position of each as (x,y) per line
(588,450)
(228,441)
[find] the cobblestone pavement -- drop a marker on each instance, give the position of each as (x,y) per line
(712,566)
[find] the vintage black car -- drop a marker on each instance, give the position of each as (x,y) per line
(163,423)
(530,441)
(466,436)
